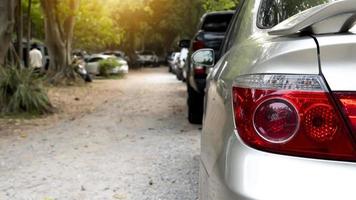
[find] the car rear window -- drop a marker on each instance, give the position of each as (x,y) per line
(216,23)
(273,12)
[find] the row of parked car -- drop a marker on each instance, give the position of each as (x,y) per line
(177,61)
(280,95)
(92,62)
(210,34)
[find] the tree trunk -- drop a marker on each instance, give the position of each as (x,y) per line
(29,30)
(130,47)
(19,32)
(59,35)
(7,22)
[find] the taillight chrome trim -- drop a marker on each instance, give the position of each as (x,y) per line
(253,81)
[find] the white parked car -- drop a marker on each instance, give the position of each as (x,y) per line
(174,62)
(94,61)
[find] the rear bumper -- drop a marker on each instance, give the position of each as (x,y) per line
(249,174)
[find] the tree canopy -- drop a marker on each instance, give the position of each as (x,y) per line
(213,5)
(133,25)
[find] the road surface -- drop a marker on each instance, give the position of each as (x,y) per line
(136,146)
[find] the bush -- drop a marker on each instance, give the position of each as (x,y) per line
(107,65)
(22,91)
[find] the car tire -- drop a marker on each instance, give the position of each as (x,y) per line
(195,106)
(88,78)
(155,64)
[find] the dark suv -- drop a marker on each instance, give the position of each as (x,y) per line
(211,34)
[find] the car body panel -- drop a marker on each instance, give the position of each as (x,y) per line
(337,56)
(231,170)
(276,177)
(220,82)
(174,62)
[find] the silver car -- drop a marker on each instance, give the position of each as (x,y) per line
(280,105)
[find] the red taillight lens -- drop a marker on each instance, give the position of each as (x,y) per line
(321,122)
(199,70)
(276,120)
(198,44)
(348,102)
(291,115)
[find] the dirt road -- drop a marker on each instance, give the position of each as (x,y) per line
(137,146)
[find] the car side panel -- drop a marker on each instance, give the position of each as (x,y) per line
(93,68)
(264,54)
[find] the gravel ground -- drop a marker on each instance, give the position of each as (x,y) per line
(137,146)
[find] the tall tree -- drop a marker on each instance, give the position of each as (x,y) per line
(7,21)
(131,16)
(29,29)
(94,28)
(59,17)
(19,30)
(34,17)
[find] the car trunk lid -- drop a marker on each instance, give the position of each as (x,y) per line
(330,24)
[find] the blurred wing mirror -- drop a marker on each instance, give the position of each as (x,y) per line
(184,44)
(204,58)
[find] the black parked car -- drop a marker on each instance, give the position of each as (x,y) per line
(211,34)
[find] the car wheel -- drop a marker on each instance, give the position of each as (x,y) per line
(195,106)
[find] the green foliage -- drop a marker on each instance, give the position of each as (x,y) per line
(218,5)
(156,24)
(36,19)
(95,29)
(107,65)
(21,91)
(133,25)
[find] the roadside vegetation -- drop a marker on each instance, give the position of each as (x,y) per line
(22,91)
(106,66)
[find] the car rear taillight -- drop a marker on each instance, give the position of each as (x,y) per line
(198,44)
(199,70)
(348,102)
(292,115)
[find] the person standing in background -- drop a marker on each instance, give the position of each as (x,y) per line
(36,58)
